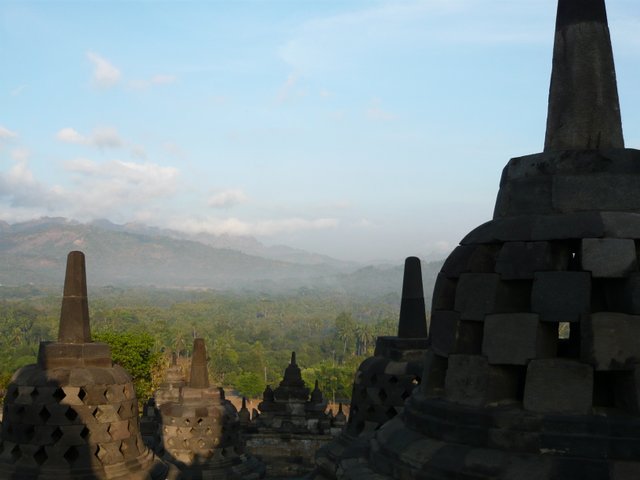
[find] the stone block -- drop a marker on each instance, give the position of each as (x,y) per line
(620,225)
(516,338)
(623,295)
(625,471)
(596,191)
(470,380)
(608,257)
(568,226)
(444,293)
(433,378)
(519,260)
(558,385)
(483,258)
(609,340)
(561,296)
(449,334)
(478,294)
(521,196)
(458,260)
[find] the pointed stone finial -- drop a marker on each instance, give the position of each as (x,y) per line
(244,403)
(199,372)
(74,316)
(174,359)
(293,358)
(413,319)
(584,111)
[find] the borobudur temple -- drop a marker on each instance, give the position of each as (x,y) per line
(533,366)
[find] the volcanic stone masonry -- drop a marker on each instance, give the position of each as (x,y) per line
(200,430)
(505,393)
(74,414)
(383,382)
(291,425)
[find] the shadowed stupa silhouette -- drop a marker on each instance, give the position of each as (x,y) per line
(382,382)
(533,369)
(74,414)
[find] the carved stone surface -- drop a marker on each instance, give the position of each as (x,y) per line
(201,430)
(74,414)
(526,402)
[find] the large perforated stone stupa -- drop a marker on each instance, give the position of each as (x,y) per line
(74,414)
(201,431)
(384,381)
(506,394)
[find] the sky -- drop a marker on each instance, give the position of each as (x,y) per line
(364,130)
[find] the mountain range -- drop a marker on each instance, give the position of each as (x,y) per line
(136,254)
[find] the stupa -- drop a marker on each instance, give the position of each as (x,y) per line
(74,414)
(292,425)
(504,394)
(201,430)
(382,382)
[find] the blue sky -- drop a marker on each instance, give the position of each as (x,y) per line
(362,130)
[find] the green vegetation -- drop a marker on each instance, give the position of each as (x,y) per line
(249,336)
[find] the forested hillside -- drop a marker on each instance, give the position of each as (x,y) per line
(249,336)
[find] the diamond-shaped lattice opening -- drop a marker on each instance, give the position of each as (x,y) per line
(44,414)
(16,453)
(209,431)
(416,380)
(71,414)
(108,394)
(187,421)
(123,412)
(40,456)
(97,413)
(382,394)
(123,447)
(406,394)
(84,433)
(200,420)
(71,455)
(391,412)
(393,380)
(82,394)
(34,394)
(59,394)
(56,434)
(29,432)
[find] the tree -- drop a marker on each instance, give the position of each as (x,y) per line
(249,384)
(134,351)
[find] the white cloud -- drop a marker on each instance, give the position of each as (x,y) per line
(18,90)
(227,198)
(160,79)
(375,112)
(104,73)
(288,89)
(103,137)
(6,134)
(20,187)
(235,226)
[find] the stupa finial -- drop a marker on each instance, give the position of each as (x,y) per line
(199,377)
(413,320)
(293,358)
(74,316)
(584,111)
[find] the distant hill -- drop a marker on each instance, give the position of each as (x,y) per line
(35,252)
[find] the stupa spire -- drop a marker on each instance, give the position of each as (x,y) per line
(584,111)
(413,321)
(74,315)
(199,377)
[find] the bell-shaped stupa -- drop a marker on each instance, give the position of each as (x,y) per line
(74,414)
(201,430)
(533,366)
(382,382)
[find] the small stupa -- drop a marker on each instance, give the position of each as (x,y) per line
(533,369)
(74,414)
(382,382)
(291,426)
(201,430)
(169,389)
